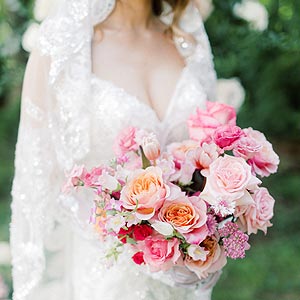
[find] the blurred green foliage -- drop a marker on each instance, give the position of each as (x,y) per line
(268,66)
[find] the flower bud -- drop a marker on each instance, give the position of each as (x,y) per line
(151,147)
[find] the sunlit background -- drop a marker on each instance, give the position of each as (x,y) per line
(256,45)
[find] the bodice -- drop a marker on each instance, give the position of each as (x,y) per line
(112,108)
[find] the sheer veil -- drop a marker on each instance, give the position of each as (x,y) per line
(54,135)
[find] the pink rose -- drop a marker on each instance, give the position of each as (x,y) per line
(215,259)
(92,178)
(257,216)
(159,253)
(203,125)
(151,147)
(265,161)
(146,191)
(226,135)
(203,156)
(125,141)
(188,216)
(228,179)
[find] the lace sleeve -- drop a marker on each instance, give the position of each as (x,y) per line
(35,182)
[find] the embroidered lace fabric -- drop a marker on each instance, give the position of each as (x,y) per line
(56,253)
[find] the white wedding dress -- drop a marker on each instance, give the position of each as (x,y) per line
(56,253)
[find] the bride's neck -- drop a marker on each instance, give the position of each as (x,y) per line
(130,15)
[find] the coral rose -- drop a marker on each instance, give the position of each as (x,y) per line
(257,216)
(215,259)
(144,191)
(203,124)
(159,253)
(188,216)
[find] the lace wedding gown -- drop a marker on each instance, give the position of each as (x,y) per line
(56,253)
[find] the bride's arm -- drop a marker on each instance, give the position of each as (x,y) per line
(34,185)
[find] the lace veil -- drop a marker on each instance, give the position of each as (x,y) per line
(54,134)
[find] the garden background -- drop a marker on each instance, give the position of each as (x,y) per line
(256,45)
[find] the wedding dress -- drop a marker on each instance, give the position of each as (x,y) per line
(69,116)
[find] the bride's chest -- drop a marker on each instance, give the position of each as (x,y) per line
(112,108)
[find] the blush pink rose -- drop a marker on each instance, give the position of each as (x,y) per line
(229,178)
(265,161)
(257,216)
(203,124)
(215,259)
(125,141)
(187,215)
(160,254)
(226,135)
(203,156)
(146,191)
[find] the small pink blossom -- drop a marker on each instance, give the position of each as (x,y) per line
(225,136)
(203,124)
(125,141)
(257,216)
(211,224)
(92,178)
(234,240)
(160,254)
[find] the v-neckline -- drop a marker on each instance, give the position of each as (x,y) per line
(142,103)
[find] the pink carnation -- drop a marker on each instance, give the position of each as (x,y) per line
(203,125)
(226,135)
(265,161)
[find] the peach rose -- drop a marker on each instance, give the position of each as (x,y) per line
(188,216)
(203,124)
(229,178)
(257,216)
(215,259)
(146,191)
(159,253)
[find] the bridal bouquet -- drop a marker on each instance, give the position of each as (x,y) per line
(192,204)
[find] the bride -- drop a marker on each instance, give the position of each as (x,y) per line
(100,65)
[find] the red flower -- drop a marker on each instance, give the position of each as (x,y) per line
(140,232)
(138,258)
(123,233)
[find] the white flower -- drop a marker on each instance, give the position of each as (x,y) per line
(163,228)
(115,223)
(224,207)
(231,92)
(43,8)
(30,37)
(5,256)
(253,12)
(108,182)
(197,253)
